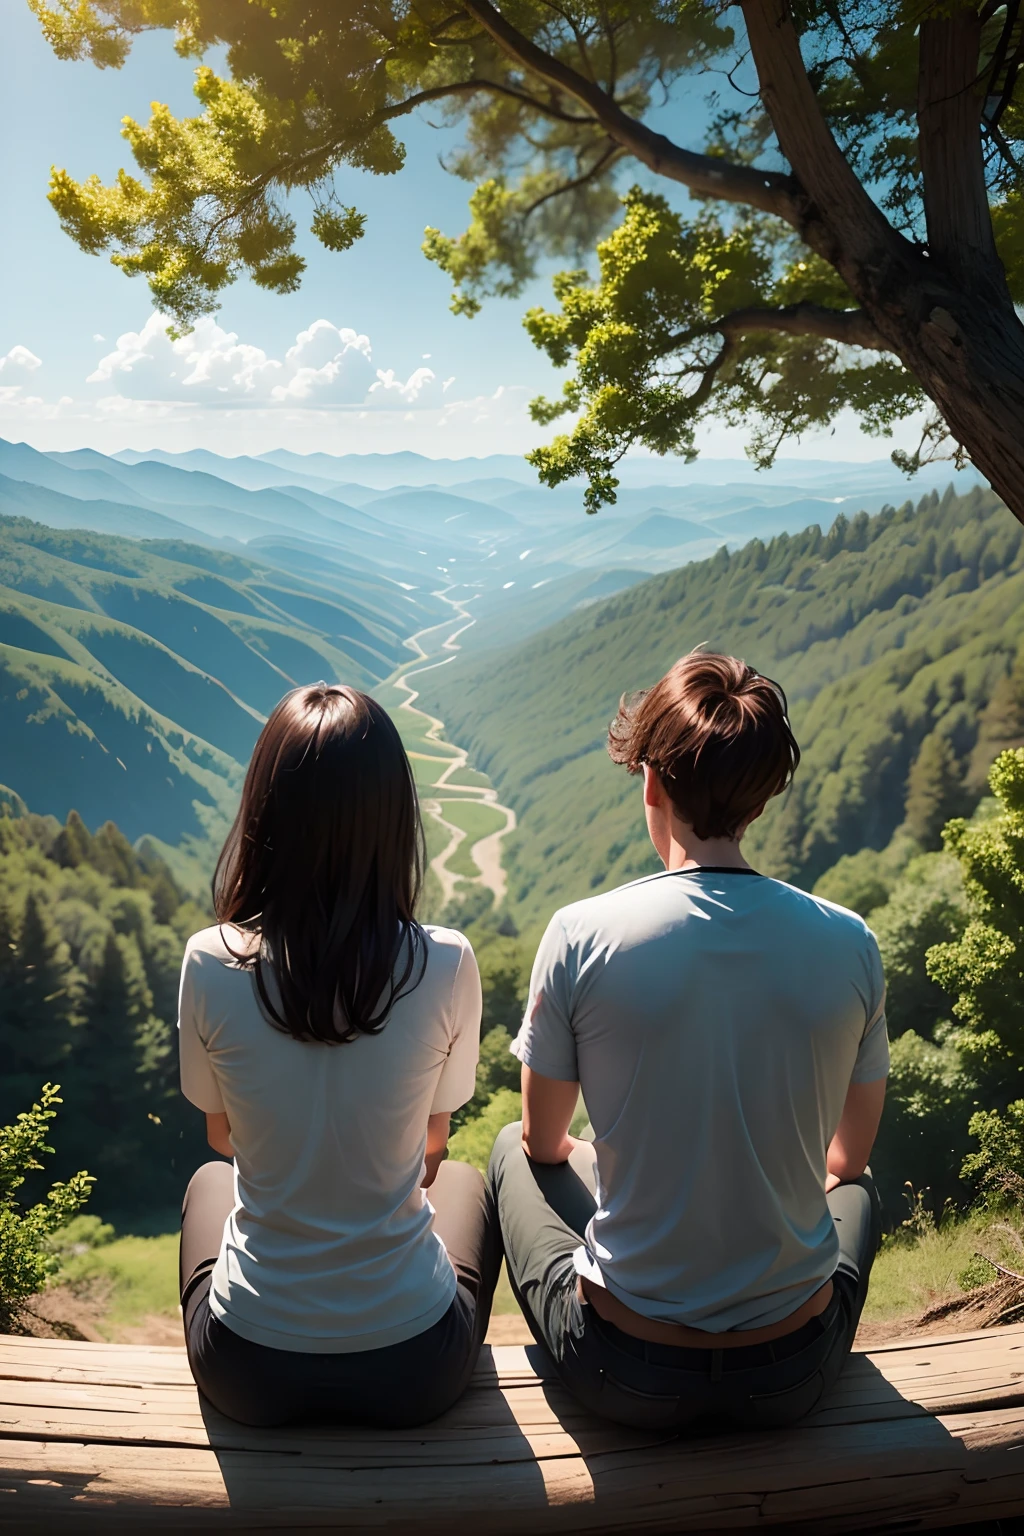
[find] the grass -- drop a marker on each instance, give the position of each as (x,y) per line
(910,1273)
(477,821)
(468,778)
(137,1275)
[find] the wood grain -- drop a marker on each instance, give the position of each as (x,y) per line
(102,1438)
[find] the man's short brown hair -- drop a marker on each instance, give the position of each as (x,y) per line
(717,735)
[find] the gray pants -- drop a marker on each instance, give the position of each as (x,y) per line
(543,1211)
(400,1385)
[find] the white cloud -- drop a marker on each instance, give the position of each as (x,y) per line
(21,359)
(327,366)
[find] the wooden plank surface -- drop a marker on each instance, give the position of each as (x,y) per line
(109,1437)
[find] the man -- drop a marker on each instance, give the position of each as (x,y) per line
(707,1257)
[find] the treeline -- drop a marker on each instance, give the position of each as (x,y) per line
(896,638)
(92,933)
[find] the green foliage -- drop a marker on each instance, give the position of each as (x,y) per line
(27,1257)
(999,1158)
(473,1142)
(977,1272)
(935,790)
(864,881)
(984,969)
(648,355)
(738,306)
(883,630)
(926,907)
(88,979)
(924,1134)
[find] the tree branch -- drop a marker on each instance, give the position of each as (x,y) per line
(841,222)
(949,108)
(576,182)
(848,327)
(704,175)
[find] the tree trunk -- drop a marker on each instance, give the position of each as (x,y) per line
(947,314)
(969,358)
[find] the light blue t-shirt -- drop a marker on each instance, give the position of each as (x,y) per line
(715,1020)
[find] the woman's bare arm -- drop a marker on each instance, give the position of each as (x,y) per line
(218,1134)
(437,1144)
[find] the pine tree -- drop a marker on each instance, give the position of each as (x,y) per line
(73,843)
(37,1006)
(105,1083)
(114,856)
(1001,726)
(935,791)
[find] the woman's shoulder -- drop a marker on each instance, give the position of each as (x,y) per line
(448,944)
(222,942)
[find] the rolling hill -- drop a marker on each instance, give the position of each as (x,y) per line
(135,676)
(884,631)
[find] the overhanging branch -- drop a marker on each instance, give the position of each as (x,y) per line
(848,327)
(704,175)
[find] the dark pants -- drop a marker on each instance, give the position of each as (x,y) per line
(400,1385)
(543,1211)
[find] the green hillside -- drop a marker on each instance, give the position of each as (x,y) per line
(135,675)
(894,636)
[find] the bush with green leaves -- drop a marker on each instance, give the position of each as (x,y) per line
(983,970)
(28,1257)
(924,1136)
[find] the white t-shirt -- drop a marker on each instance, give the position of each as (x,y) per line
(330,1247)
(715,1020)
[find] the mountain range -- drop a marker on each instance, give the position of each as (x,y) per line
(154,607)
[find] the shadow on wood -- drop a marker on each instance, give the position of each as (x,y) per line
(115,1438)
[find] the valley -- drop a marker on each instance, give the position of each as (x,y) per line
(453,797)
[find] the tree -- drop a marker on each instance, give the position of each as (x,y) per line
(853,239)
(37,1005)
(1001,725)
(935,791)
(926,908)
(983,970)
(108,1067)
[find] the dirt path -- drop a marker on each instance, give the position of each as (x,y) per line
(486,851)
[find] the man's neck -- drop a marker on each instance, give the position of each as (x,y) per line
(698,853)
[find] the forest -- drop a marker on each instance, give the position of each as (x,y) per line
(92,932)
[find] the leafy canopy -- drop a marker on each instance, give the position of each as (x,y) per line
(729,301)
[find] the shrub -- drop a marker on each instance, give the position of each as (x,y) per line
(924,1136)
(473,1143)
(27,1256)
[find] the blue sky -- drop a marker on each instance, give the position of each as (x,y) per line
(450,386)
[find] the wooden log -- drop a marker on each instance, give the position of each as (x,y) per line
(96,1437)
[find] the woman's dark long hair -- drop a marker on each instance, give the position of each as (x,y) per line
(324,863)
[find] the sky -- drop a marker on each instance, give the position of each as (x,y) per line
(365,357)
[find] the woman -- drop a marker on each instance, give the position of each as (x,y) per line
(328,1037)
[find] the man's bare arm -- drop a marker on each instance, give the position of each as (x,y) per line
(548,1108)
(851,1145)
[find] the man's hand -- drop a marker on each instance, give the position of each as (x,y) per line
(548,1108)
(851,1145)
